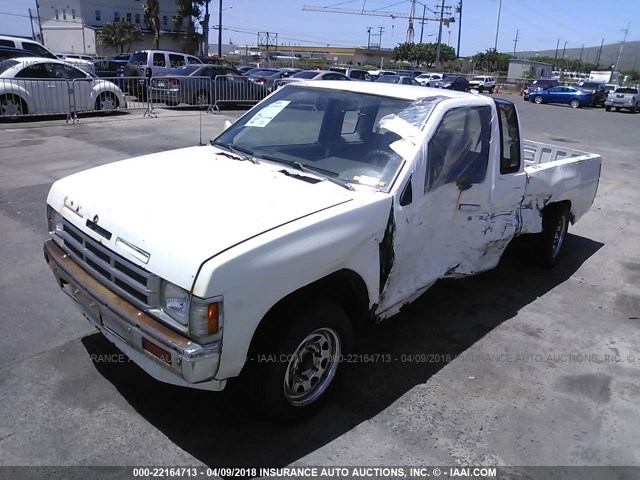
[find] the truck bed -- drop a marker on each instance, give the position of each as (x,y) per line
(556,174)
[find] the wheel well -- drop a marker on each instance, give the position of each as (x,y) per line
(108,93)
(23,102)
(344,287)
(561,204)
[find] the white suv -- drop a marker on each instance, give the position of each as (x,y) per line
(483,83)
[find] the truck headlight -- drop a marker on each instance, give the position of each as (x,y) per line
(175,302)
(54,221)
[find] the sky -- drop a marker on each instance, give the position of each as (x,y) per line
(539,24)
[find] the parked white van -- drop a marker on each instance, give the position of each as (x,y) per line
(41,51)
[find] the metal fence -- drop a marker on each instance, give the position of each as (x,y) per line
(30,97)
(206,92)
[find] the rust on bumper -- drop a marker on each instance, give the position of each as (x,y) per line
(130,329)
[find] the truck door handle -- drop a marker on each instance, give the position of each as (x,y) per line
(469,207)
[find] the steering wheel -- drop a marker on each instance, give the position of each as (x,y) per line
(380,158)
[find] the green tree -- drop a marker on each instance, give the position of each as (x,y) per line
(491,61)
(119,34)
(632,74)
(423,53)
(403,52)
(152,19)
(189,10)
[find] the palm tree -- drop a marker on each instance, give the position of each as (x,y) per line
(152,18)
(189,10)
(119,34)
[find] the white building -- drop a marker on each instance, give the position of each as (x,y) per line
(71,26)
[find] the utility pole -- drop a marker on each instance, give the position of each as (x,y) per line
(439,50)
(368,38)
(380,35)
(220,30)
(626,31)
(515,42)
(557,45)
(581,52)
(39,22)
(563,49)
(33,33)
(424,12)
(205,28)
(459,28)
(599,53)
(495,43)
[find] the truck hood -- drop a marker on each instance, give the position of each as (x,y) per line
(181,207)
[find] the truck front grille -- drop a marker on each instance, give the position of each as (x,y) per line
(115,272)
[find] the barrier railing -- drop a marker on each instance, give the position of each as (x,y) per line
(202,91)
(25,97)
(171,91)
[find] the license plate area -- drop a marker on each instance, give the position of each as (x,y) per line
(90,309)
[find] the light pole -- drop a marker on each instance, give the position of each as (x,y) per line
(495,44)
(219,27)
(220,30)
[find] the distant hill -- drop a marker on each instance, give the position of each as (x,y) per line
(630,54)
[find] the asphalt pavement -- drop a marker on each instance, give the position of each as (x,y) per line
(517,366)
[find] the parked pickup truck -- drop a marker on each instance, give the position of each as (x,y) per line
(328,206)
(623,97)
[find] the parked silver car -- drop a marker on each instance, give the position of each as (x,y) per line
(204,85)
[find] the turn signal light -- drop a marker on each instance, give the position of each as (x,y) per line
(212,318)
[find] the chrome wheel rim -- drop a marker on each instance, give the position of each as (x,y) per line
(10,108)
(538,100)
(312,367)
(107,103)
(559,233)
(574,103)
(202,99)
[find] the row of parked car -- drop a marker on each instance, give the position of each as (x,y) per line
(585,94)
(34,80)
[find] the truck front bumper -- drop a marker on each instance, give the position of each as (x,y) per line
(158,350)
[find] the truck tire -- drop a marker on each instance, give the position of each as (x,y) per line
(607,108)
(555,225)
(302,363)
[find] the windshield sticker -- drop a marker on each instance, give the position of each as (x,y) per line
(371,181)
(268,113)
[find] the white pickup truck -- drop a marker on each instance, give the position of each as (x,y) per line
(328,206)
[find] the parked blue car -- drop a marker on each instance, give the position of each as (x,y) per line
(561,94)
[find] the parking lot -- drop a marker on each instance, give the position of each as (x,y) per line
(517,366)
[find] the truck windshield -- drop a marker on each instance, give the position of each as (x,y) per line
(354,137)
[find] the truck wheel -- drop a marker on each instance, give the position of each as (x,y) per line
(555,225)
(303,363)
(574,103)
(607,108)
(491,89)
(538,99)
